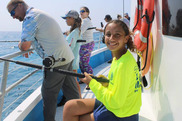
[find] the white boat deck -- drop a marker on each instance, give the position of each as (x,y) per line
(146,109)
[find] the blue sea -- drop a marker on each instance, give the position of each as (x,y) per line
(16,72)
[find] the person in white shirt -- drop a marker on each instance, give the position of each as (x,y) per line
(87,47)
(107,19)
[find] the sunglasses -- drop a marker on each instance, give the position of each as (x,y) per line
(82,11)
(12,13)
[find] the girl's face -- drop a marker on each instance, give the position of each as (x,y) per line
(115,38)
(70,21)
(83,13)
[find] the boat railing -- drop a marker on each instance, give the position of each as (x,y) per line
(3,86)
(100,39)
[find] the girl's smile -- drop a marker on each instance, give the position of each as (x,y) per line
(112,45)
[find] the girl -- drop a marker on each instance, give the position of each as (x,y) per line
(121,99)
(73,20)
(86,48)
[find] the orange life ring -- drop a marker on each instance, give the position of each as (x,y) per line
(142,32)
(140,38)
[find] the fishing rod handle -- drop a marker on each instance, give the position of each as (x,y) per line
(100,79)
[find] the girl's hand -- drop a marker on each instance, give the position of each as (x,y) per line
(87,78)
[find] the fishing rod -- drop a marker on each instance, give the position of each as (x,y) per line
(99,79)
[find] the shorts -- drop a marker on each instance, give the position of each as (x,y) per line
(102,114)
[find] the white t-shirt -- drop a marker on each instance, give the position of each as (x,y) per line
(86,34)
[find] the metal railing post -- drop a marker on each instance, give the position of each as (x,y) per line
(3,86)
(100,39)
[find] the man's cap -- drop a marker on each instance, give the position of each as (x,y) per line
(71,13)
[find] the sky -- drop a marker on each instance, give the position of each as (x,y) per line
(57,8)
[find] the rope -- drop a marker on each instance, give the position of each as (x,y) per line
(148,22)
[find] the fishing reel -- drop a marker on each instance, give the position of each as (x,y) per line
(49,61)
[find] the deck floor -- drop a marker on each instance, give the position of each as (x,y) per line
(146,109)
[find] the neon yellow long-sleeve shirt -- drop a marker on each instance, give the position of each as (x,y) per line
(123,94)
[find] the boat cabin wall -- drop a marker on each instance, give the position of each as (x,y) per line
(165,75)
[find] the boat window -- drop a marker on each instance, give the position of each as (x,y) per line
(172,17)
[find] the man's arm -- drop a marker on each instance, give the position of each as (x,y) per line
(101,30)
(23,46)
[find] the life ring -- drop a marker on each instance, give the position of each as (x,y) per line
(141,34)
(142,38)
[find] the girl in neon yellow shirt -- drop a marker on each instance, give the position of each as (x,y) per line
(121,99)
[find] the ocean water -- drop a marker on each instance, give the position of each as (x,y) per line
(16,72)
